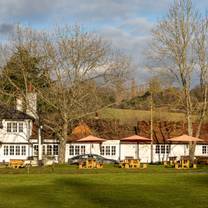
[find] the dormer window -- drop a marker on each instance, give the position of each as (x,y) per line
(9,127)
(15,127)
(20,127)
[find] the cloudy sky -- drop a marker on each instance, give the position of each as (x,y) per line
(126,23)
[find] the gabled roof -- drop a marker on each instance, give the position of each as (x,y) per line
(13,114)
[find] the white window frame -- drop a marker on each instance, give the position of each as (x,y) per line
(21,127)
(71,150)
(23,150)
(113,150)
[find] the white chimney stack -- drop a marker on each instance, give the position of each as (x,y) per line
(31,108)
(19,104)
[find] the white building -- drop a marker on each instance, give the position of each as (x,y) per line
(17,142)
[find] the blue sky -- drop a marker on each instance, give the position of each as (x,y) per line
(125,23)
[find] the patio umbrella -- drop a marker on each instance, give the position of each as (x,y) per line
(91,139)
(185,138)
(137,139)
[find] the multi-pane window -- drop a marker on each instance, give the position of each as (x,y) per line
(76,150)
(35,148)
(11,150)
(102,150)
(23,150)
(14,127)
(55,149)
(14,150)
(49,149)
(82,149)
(113,150)
(167,149)
(17,150)
(43,150)
(157,150)
(71,150)
(107,150)
(162,149)
(6,150)
(204,149)
(9,127)
(20,127)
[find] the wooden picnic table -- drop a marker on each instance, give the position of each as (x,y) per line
(185,163)
(90,163)
(131,163)
(13,163)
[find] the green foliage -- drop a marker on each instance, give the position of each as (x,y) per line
(21,70)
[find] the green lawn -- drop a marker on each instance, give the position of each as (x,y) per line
(108,187)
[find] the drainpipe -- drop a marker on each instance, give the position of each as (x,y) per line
(40,149)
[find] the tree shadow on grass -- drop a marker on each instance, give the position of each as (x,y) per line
(132,195)
(81,191)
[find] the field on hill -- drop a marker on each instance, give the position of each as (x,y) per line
(109,187)
(131,116)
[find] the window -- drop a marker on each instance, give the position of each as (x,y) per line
(55,149)
(71,150)
(20,127)
(113,150)
(76,150)
(204,149)
(17,150)
(107,150)
(163,149)
(102,150)
(11,150)
(49,149)
(23,150)
(6,150)
(14,127)
(82,150)
(35,148)
(43,150)
(157,150)
(167,149)
(9,127)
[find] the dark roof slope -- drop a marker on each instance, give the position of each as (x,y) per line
(11,113)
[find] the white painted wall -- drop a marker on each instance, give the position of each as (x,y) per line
(16,137)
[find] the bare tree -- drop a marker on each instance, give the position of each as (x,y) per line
(180,46)
(79,64)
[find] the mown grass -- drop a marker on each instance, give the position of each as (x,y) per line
(109,187)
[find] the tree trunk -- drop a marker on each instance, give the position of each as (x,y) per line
(62,146)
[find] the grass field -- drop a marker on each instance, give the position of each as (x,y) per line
(132,116)
(109,187)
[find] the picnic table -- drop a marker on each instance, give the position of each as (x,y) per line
(90,163)
(16,163)
(131,163)
(185,163)
(171,162)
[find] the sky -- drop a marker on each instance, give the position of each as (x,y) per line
(127,24)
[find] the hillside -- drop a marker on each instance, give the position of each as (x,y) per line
(132,116)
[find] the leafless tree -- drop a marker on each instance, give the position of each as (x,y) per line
(77,66)
(180,46)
